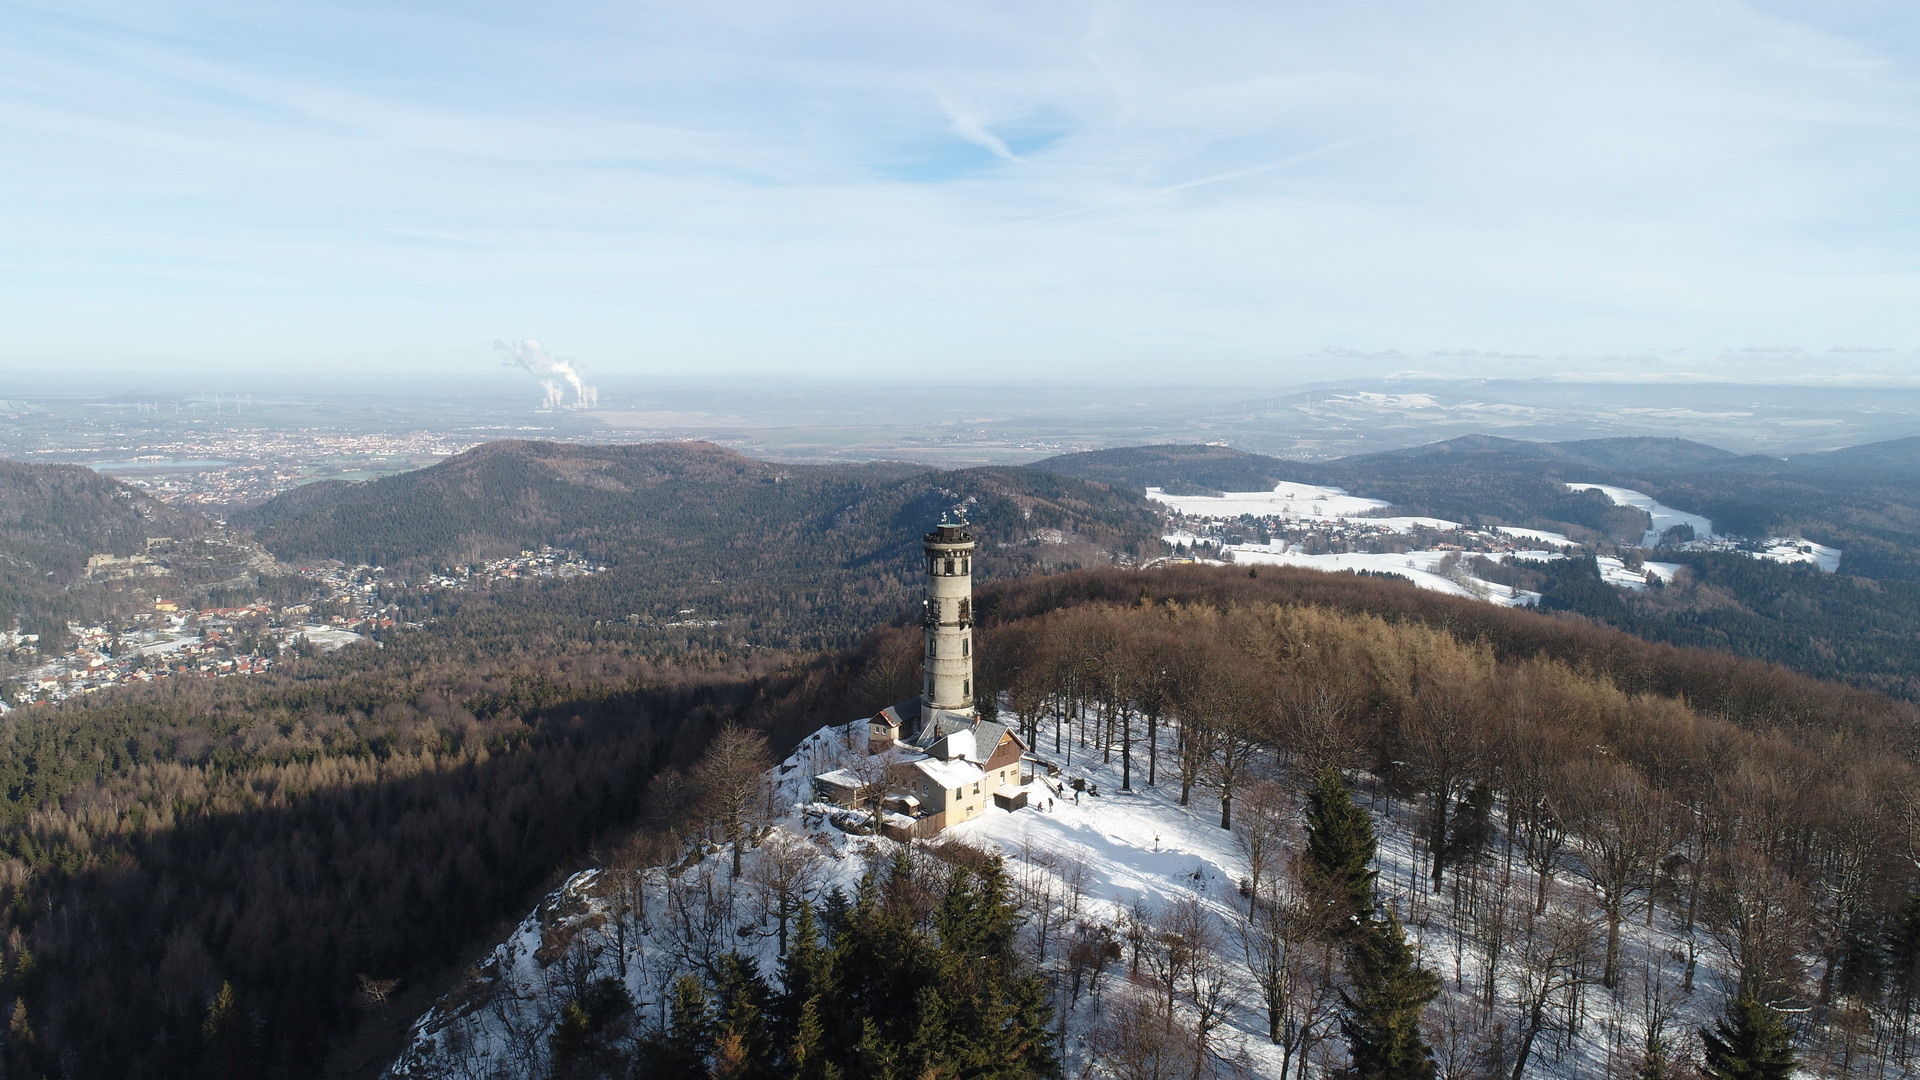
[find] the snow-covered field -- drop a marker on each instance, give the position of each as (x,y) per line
(1538,536)
(1786,549)
(1664,517)
(1298,502)
(1420,567)
(1099,854)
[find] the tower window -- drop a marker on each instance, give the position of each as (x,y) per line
(949,567)
(966,566)
(966,647)
(966,687)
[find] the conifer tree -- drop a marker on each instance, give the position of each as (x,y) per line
(807,1051)
(21,1043)
(741,1035)
(226,1038)
(1748,1043)
(1340,848)
(977,916)
(682,1049)
(874,1053)
(927,1052)
(806,974)
(1380,1011)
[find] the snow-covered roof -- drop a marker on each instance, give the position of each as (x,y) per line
(840,778)
(957,745)
(941,724)
(950,774)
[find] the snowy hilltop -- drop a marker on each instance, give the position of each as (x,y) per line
(1134,911)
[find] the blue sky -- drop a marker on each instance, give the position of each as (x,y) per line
(1269,192)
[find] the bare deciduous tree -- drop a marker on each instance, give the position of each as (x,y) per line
(732,782)
(1140,1042)
(1758,916)
(785,870)
(1260,832)
(1554,954)
(1445,737)
(1287,952)
(1624,829)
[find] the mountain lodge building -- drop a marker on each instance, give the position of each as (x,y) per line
(945,763)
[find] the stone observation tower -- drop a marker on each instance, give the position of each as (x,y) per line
(949,619)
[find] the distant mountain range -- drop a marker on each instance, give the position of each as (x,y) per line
(811,555)
(1862,499)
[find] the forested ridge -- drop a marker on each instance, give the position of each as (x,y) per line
(1832,626)
(293,840)
(1627,859)
(354,820)
(1766,820)
(786,556)
(1851,626)
(52,518)
(1860,499)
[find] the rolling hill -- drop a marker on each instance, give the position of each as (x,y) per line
(780,554)
(53,518)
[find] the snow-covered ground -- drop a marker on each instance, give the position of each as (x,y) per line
(1791,550)
(1786,549)
(1538,536)
(328,638)
(1612,570)
(1298,502)
(1420,567)
(1664,517)
(1098,854)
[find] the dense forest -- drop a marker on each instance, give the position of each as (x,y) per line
(287,851)
(1851,626)
(290,841)
(1766,818)
(52,519)
(1832,626)
(778,555)
(1567,787)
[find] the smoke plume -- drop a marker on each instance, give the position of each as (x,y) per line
(552,371)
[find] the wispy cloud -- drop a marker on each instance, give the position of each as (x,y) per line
(968,125)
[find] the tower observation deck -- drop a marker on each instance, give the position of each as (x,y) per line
(949,619)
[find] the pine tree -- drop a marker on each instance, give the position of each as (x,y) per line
(682,1049)
(927,1052)
(873,1054)
(977,918)
(1340,848)
(806,974)
(740,1034)
(1380,1012)
(1748,1043)
(227,1043)
(807,1052)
